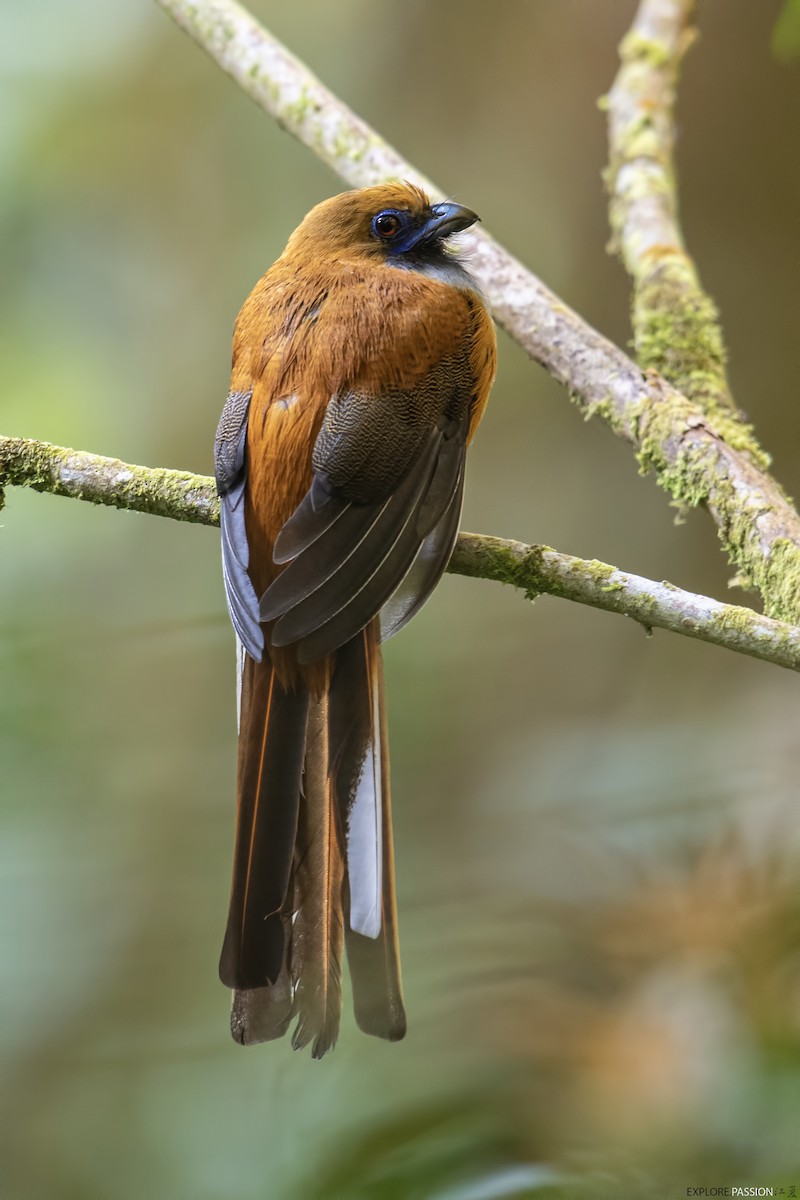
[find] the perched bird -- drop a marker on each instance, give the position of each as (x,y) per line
(362,362)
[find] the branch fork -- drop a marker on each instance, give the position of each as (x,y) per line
(673,404)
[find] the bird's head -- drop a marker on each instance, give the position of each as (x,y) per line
(393,222)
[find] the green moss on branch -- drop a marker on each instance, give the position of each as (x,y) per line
(532,569)
(99,480)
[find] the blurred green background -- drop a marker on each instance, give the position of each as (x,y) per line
(597,832)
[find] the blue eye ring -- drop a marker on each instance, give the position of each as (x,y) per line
(387,224)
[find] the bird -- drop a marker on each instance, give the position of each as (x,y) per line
(362,363)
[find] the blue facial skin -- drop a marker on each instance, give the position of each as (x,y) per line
(409,234)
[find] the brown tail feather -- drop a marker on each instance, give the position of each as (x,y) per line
(271,748)
(301,767)
(262,1014)
(316,957)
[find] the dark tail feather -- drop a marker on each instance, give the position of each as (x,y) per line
(271,749)
(360,769)
(263,1014)
(313,861)
(316,957)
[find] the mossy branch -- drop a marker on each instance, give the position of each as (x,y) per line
(534,569)
(675,323)
(698,456)
(100,480)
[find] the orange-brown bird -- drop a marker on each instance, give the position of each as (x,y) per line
(362,362)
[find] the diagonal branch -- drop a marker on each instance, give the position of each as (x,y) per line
(533,569)
(699,456)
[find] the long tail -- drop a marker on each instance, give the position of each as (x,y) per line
(313,859)
(257,946)
(360,765)
(316,953)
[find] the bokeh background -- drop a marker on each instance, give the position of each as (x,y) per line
(597,832)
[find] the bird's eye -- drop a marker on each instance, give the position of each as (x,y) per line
(386,224)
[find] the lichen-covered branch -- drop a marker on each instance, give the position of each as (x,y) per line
(675,323)
(534,569)
(660,605)
(101,480)
(697,455)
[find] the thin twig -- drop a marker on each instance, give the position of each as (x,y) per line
(534,569)
(698,458)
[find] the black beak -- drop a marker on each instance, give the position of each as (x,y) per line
(446,219)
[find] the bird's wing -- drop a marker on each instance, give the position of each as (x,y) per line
(388,467)
(348,555)
(230,468)
(427,568)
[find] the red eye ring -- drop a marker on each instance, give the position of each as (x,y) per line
(386,224)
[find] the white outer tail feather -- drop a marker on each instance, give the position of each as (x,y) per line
(365,835)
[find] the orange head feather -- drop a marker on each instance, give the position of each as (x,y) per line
(389,221)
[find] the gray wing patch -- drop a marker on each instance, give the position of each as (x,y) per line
(230,469)
(316,512)
(330,592)
(426,570)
